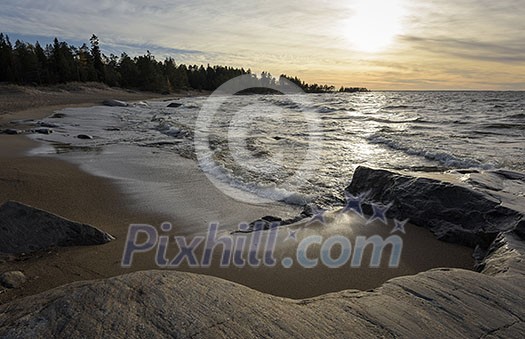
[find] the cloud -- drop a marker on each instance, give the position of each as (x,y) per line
(501,52)
(305,37)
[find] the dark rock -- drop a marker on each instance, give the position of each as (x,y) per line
(466,212)
(43,131)
(309,210)
(46,124)
(25,229)
(260,225)
(113,129)
(13,279)
(58,116)
(115,103)
(263,224)
(85,137)
(175,104)
(270,218)
(267,222)
(12,131)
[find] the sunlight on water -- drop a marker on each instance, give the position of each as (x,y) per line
(265,153)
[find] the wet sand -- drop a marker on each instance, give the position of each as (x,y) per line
(62,188)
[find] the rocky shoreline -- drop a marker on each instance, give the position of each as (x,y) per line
(468,207)
(482,209)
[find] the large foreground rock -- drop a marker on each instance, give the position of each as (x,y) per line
(25,229)
(449,303)
(469,207)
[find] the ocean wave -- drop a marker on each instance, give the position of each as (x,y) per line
(286,104)
(344,117)
(397,107)
(395,121)
(478,132)
(504,126)
(517,116)
(265,191)
(326,109)
(444,158)
(331,109)
(460,122)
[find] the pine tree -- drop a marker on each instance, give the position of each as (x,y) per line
(43,69)
(129,73)
(97,58)
(6,59)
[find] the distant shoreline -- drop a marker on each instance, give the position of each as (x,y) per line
(35,102)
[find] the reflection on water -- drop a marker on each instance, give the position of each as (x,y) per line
(260,143)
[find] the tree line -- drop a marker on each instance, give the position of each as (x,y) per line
(27,64)
(316,88)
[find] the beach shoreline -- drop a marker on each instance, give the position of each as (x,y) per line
(63,188)
(25,102)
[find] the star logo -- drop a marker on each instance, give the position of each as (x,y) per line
(292,235)
(318,215)
(399,226)
(379,213)
(353,203)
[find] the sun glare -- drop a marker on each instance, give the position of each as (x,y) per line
(374,24)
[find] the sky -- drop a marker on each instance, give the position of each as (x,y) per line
(378,44)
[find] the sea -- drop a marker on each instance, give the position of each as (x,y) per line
(301,148)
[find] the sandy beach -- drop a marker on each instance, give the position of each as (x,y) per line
(64,189)
(60,188)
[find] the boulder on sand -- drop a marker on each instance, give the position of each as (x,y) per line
(42,130)
(115,103)
(24,229)
(13,279)
(12,131)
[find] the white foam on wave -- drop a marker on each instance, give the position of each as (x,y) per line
(225,180)
(444,158)
(444,135)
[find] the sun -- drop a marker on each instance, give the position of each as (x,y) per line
(374,24)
